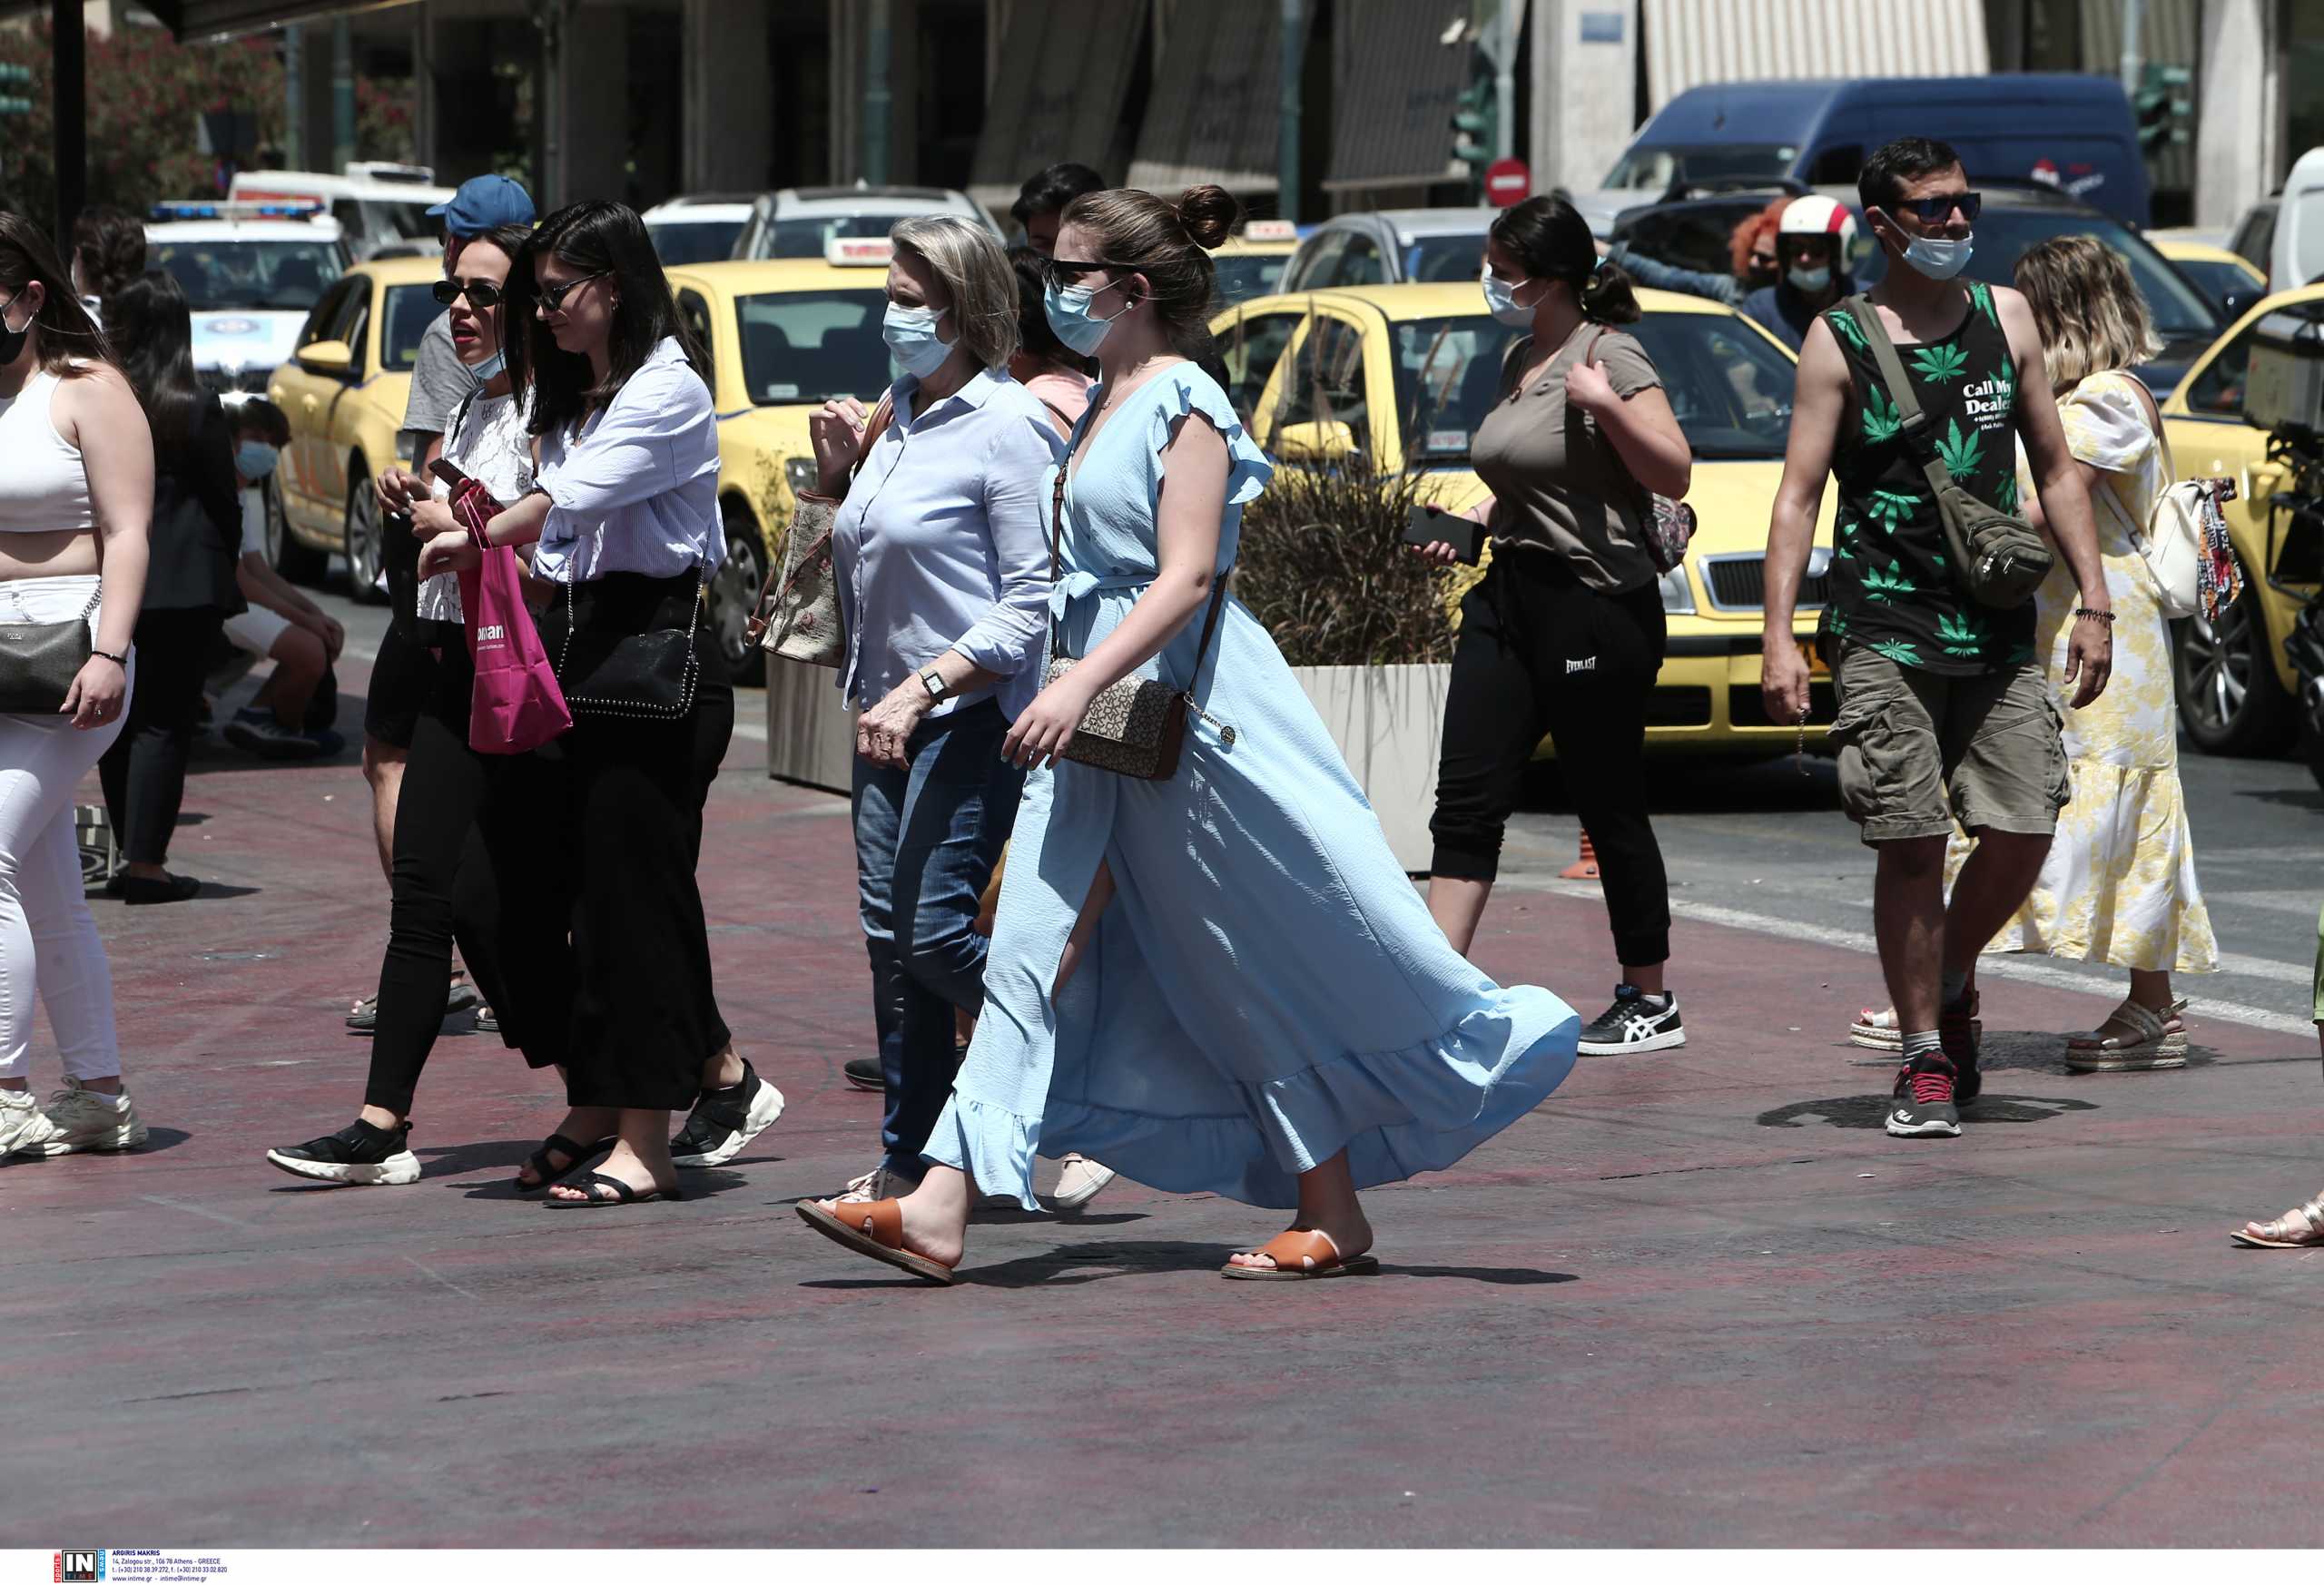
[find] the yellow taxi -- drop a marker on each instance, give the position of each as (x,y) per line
(344,391)
(1251,262)
(2226,279)
(785,335)
(1409,371)
(2236,689)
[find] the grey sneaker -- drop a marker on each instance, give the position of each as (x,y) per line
(85,1120)
(24,1127)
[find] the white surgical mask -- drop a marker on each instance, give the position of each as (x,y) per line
(913,340)
(1811,280)
(1939,258)
(1501,297)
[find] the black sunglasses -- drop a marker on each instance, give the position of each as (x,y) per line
(553,296)
(1064,273)
(483,294)
(1931,212)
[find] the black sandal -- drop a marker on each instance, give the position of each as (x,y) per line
(623,1195)
(575,1154)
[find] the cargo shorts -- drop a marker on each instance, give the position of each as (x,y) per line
(1919,752)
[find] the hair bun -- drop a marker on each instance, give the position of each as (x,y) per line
(1207,213)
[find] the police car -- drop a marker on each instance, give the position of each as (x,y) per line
(252,274)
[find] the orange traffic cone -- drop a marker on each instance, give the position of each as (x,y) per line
(1584,868)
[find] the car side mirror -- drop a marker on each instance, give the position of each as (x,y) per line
(1315,441)
(327,358)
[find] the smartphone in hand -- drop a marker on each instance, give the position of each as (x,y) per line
(449,475)
(1427,524)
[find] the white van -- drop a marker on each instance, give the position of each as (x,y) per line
(381,208)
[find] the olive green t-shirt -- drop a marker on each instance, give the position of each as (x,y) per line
(1556,481)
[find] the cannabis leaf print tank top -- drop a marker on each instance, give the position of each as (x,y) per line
(1891,588)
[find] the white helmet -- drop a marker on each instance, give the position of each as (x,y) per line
(1819,216)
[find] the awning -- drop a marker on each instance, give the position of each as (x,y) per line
(1065,71)
(1215,112)
(1395,85)
(1688,42)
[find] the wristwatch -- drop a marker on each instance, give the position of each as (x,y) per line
(937,690)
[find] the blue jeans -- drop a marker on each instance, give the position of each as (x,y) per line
(927,837)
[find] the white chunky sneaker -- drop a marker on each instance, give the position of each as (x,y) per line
(24,1126)
(1078,1184)
(85,1120)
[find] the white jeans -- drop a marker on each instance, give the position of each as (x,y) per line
(48,942)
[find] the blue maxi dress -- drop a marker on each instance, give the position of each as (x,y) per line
(1266,987)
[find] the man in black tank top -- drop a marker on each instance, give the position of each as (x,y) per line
(1945,713)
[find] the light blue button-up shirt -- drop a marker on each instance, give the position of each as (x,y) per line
(635,491)
(943,543)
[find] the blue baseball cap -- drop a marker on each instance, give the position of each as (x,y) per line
(484,203)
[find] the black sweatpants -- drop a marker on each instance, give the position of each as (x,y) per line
(1542,654)
(443,889)
(599,910)
(143,771)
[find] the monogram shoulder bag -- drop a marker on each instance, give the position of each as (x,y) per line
(797,614)
(1137,726)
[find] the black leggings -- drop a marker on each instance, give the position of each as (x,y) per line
(1540,653)
(143,771)
(443,886)
(600,913)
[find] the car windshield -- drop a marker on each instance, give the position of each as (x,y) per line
(1457,257)
(1661,166)
(1243,275)
(410,310)
(408,220)
(2215,278)
(812,346)
(285,274)
(1729,385)
(807,238)
(693,242)
(2004,235)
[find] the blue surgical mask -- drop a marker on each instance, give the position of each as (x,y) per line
(1939,258)
(912,340)
(492,367)
(1068,312)
(1501,298)
(1811,280)
(254,460)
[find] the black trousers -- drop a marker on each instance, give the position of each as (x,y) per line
(1542,654)
(444,891)
(143,772)
(595,865)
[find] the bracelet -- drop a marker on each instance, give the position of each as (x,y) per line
(2105,616)
(120,660)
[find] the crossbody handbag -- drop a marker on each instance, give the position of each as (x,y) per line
(39,660)
(1137,726)
(797,614)
(1668,525)
(1997,556)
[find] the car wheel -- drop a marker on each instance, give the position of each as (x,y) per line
(2229,699)
(734,589)
(362,536)
(297,561)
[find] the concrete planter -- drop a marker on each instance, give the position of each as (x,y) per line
(1388,722)
(810,730)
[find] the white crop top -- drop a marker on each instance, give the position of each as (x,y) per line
(43,483)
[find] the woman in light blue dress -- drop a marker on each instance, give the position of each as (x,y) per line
(1221,981)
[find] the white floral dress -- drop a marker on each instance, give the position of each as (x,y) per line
(2119,885)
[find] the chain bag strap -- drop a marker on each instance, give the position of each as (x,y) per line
(1137,726)
(637,677)
(39,661)
(1997,556)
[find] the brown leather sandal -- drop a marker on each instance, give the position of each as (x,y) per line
(876,1228)
(1302,1254)
(2302,1227)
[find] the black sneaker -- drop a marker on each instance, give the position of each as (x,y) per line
(725,1121)
(863,1072)
(358,1154)
(1959,1030)
(1636,1022)
(1925,1089)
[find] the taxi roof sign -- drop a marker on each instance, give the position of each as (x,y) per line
(1270,230)
(850,250)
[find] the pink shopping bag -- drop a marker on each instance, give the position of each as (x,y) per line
(517,705)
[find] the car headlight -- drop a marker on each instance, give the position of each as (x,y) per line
(1678,595)
(802,475)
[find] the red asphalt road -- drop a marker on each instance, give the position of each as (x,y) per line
(1696,1298)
